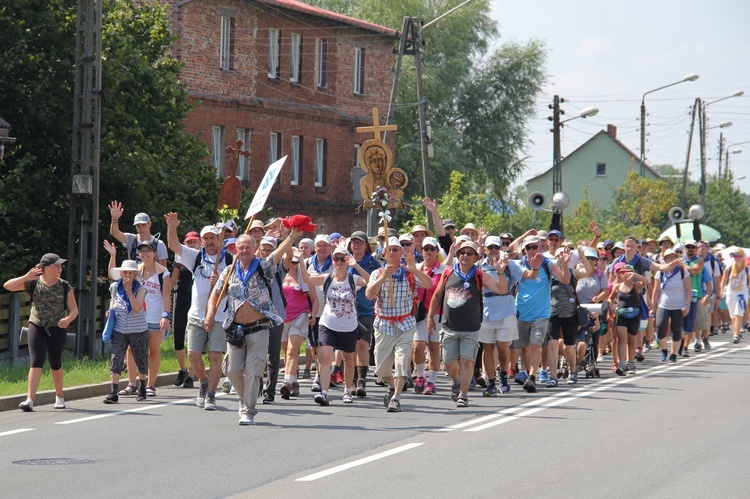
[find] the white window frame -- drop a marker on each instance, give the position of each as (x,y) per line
(320,150)
(225,56)
(218,144)
(356,155)
(359,70)
(296,155)
(274,46)
(296,58)
(243,166)
(274,151)
(321,63)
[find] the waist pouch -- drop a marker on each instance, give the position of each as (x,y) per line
(235,333)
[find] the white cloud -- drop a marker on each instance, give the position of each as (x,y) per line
(592,47)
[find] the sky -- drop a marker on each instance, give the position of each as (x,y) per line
(608,54)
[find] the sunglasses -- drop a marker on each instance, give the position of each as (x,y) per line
(678,251)
(464,253)
(429,248)
(604,258)
(339,258)
(737,256)
(493,247)
(532,247)
(593,258)
(394,250)
(690,246)
(406,244)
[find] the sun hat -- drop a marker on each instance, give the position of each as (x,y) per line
(127,265)
(422,228)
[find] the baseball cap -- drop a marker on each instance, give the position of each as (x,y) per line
(335,237)
(608,242)
(669,252)
(268,240)
(470,245)
(141,218)
(322,237)
(691,242)
(150,245)
(393,241)
(542,234)
(359,235)
(52,259)
(623,267)
(507,235)
(492,240)
(449,223)
(406,237)
(590,253)
(341,250)
(209,229)
(531,240)
(430,241)
(192,236)
(555,232)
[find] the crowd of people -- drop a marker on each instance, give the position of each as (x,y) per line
(486,309)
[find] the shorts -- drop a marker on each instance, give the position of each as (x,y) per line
(723,304)
(567,325)
(198,338)
(364,331)
(688,325)
(296,327)
(457,345)
(423,335)
(701,317)
(732,303)
(393,353)
(502,330)
(153,327)
(344,341)
(531,333)
(632,325)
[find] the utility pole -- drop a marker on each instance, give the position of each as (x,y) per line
(703,126)
(690,146)
(83,231)
(721,151)
(556,154)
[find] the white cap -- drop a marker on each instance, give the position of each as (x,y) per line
(393,241)
(209,229)
(322,237)
(493,240)
(430,241)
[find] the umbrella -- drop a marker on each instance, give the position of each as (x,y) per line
(686,233)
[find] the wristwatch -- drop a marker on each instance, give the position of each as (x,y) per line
(166,315)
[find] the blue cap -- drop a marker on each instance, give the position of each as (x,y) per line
(334,236)
(555,232)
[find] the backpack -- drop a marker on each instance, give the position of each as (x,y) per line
(66,290)
(664,277)
(227,261)
(329,280)
(133,251)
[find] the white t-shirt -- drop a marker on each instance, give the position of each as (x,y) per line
(340,310)
(319,289)
(202,283)
(154,300)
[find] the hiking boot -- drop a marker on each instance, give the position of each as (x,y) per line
(361,390)
(429,388)
(419,385)
(530,385)
(112,398)
(522,377)
(295,389)
(306,374)
(181,375)
(189,383)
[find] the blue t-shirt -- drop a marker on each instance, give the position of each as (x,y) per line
(533,297)
(498,307)
(365,306)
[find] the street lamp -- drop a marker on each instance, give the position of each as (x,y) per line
(690,77)
(703,129)
(726,124)
(556,154)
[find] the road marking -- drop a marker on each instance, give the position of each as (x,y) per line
(585,392)
(126,411)
(358,462)
(13,432)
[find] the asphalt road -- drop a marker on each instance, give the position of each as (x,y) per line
(670,431)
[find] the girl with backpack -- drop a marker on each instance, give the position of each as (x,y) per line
(735,281)
(672,295)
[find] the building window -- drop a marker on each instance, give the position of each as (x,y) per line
(227,43)
(217,148)
(320,161)
(601,169)
(296,53)
(321,61)
(274,151)
(356,155)
(243,166)
(274,46)
(296,158)
(359,70)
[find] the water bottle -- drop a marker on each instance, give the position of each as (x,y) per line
(239,331)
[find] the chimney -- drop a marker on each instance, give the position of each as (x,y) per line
(612,131)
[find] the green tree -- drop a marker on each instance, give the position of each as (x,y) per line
(147,160)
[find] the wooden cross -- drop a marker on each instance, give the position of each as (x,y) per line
(376,128)
(238,151)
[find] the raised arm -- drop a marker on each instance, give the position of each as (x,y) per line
(431,206)
(173,240)
(116,211)
(17,283)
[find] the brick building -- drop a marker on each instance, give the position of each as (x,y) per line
(287,79)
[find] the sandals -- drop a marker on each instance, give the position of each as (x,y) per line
(128,390)
(462,401)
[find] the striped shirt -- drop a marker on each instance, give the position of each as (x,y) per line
(126,323)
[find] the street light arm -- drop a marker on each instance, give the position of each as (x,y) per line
(690,77)
(454,9)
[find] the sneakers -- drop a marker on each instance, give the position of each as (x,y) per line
(409,383)
(504,385)
(321,399)
(419,385)
(736,339)
(60,403)
(685,352)
(295,389)
(573,378)
(673,358)
(306,374)
(394,406)
(361,391)
(268,398)
(128,390)
(530,384)
(663,356)
(631,368)
(510,372)
(552,382)
(188,383)
(181,375)
(600,359)
(491,390)
(347,398)
(481,381)
(387,397)
(246,420)
(697,347)
(316,385)
(455,391)
(620,370)
(639,355)
(543,376)
(210,404)
(141,395)
(28,405)
(522,377)
(112,398)
(706,345)
(473,384)
(286,390)
(151,391)
(429,388)
(226,386)
(462,401)
(200,400)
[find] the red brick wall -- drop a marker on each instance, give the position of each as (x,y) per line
(246,97)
